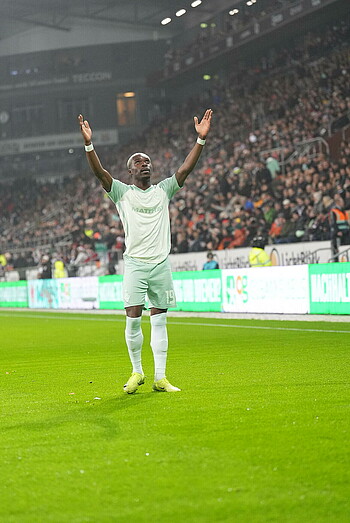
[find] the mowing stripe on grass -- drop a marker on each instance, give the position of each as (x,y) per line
(260,327)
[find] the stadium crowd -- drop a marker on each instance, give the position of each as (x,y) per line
(238,190)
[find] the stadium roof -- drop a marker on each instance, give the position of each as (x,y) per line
(17,16)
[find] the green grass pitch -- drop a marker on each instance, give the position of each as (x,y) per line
(259,433)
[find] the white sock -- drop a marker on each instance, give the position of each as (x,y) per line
(134,341)
(159,344)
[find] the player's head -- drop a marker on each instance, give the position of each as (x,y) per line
(139,165)
(210,255)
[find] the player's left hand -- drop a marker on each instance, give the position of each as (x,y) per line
(203,126)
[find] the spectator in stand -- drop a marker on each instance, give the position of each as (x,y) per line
(287,209)
(196,244)
(292,230)
(263,175)
(4,264)
(45,268)
(111,238)
(269,212)
(317,226)
(4,259)
(339,225)
(276,228)
(239,234)
(210,263)
(273,166)
(80,256)
(20,260)
(59,269)
(257,256)
(226,239)
(347,198)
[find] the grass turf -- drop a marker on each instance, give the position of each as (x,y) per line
(260,431)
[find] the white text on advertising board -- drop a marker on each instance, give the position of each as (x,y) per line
(330,287)
(199,291)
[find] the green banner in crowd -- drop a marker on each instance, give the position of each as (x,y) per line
(329,285)
(13,294)
(110,292)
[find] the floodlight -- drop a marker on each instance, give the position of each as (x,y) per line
(180,12)
(166,21)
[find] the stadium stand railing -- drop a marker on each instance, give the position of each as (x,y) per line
(337,254)
(308,148)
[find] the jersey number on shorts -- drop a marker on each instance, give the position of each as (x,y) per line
(170,296)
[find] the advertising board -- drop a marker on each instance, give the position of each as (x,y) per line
(329,287)
(266,290)
(110,292)
(299,289)
(198,290)
(13,294)
(64,293)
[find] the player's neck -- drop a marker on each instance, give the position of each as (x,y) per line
(142,184)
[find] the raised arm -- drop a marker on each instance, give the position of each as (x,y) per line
(202,129)
(104,177)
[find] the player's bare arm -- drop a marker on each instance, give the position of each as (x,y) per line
(202,129)
(104,177)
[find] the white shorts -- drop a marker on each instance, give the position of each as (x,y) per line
(153,279)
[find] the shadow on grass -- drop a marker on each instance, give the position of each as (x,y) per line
(98,412)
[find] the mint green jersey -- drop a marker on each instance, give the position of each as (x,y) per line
(145,218)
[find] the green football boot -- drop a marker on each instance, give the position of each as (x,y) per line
(136,379)
(163,385)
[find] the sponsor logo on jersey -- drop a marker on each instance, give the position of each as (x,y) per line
(149,210)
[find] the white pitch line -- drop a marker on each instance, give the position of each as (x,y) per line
(91,318)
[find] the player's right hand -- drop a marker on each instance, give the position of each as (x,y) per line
(85,129)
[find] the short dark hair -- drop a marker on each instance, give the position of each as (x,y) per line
(128,163)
